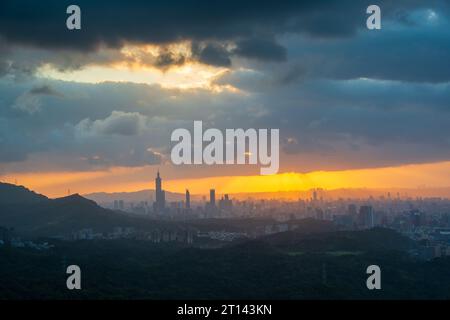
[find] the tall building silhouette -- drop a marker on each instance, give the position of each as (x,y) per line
(225,204)
(188,199)
(160,204)
(212,197)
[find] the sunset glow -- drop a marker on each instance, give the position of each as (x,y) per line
(136,64)
(57,184)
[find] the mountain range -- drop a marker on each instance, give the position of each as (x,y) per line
(136,196)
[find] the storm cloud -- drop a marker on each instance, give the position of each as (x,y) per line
(252,25)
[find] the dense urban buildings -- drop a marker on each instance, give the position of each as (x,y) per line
(423,219)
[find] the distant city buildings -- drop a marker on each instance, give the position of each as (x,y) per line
(366,217)
(426,220)
(225,204)
(188,200)
(160,204)
(212,198)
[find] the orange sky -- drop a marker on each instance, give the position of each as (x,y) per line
(55,184)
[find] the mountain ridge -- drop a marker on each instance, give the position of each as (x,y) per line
(41,216)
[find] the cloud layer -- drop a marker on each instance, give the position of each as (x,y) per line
(342,96)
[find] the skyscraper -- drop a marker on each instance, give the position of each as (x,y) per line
(225,204)
(212,197)
(188,199)
(160,203)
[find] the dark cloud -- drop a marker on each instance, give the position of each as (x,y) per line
(266,50)
(219,54)
(113,22)
(330,38)
(412,55)
(212,54)
(167,59)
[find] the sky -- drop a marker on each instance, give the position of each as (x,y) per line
(93,109)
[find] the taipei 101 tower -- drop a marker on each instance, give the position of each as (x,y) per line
(160,203)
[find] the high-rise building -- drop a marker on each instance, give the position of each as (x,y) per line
(188,199)
(212,197)
(160,204)
(225,204)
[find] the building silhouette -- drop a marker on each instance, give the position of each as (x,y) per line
(160,204)
(188,200)
(225,204)
(210,207)
(212,198)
